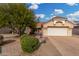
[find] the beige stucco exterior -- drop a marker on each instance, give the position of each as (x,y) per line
(57,22)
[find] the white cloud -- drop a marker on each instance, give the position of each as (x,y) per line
(34,6)
(47,18)
(72,4)
(40,15)
(51,14)
(73,16)
(58,11)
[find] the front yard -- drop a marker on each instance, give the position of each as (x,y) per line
(54,46)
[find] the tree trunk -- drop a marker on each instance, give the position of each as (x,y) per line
(21,31)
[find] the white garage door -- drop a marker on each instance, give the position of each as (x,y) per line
(57,31)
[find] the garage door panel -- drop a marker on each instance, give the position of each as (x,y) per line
(57,31)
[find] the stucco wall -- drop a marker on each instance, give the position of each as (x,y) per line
(69,32)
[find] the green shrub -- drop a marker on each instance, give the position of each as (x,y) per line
(29,43)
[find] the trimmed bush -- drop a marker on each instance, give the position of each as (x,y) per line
(29,43)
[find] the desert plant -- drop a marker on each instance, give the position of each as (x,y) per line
(29,43)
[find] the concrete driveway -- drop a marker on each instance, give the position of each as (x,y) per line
(67,46)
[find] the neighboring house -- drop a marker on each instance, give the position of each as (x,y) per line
(39,27)
(5,30)
(76,24)
(76,28)
(58,26)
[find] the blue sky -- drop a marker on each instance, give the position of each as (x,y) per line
(48,10)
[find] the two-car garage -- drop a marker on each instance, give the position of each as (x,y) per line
(57,31)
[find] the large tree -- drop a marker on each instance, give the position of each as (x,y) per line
(17,17)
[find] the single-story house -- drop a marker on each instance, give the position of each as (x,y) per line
(58,26)
(76,28)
